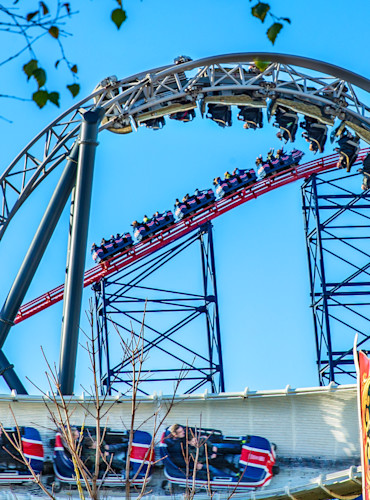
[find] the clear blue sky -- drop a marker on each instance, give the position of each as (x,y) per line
(260,248)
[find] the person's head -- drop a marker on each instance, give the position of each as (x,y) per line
(177,431)
(193,441)
(90,442)
(363,187)
(75,433)
(279,135)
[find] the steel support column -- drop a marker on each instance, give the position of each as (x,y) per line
(31,262)
(174,341)
(212,316)
(337,222)
(77,251)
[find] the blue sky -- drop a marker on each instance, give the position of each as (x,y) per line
(266,321)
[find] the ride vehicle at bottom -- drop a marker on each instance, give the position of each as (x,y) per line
(252,456)
(13,471)
(111,247)
(242,179)
(193,203)
(143,230)
(284,162)
(141,458)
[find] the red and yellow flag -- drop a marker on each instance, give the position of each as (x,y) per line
(363,381)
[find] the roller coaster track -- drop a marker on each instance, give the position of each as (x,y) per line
(184,227)
(314,89)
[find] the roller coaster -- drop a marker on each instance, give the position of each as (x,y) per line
(119,259)
(287,86)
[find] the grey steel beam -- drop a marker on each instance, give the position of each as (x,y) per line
(32,259)
(10,376)
(241,57)
(77,250)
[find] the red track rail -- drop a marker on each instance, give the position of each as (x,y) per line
(181,228)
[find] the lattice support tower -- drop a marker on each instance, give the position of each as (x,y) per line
(183,341)
(337,222)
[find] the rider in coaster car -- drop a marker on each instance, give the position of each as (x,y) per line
(366,171)
(348,149)
(220,113)
(155,123)
(176,445)
(102,244)
(259,160)
(252,117)
(183,116)
(154,217)
(183,453)
(279,154)
(315,134)
(88,453)
(287,121)
(236,173)
(185,200)
(208,460)
(146,220)
(270,157)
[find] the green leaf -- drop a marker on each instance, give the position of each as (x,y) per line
(44,7)
(260,10)
(74,69)
(40,76)
(273,31)
(287,20)
(30,67)
(118,17)
(74,89)
(261,65)
(31,15)
(54,31)
(40,97)
(54,98)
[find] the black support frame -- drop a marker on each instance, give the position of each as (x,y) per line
(122,297)
(337,229)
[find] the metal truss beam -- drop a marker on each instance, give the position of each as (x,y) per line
(173,342)
(337,222)
(161,91)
